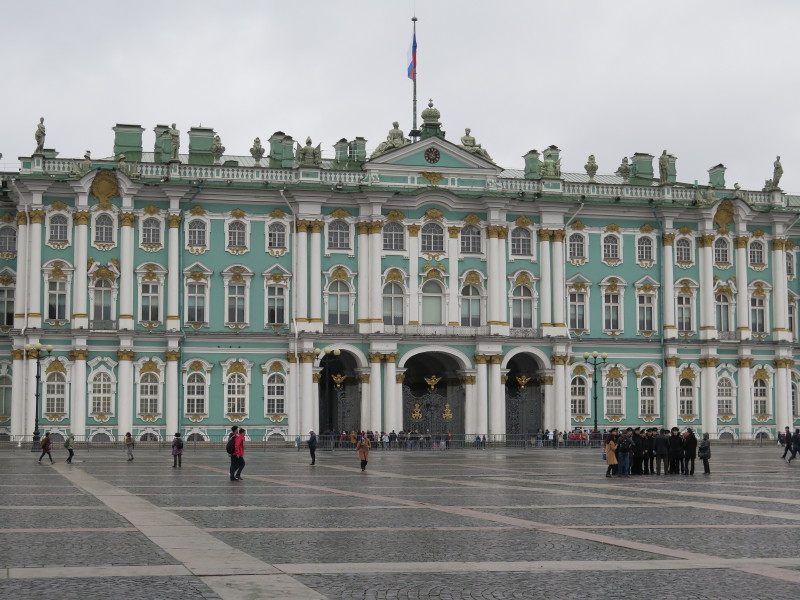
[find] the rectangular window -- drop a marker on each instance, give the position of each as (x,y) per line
(686,405)
(275,396)
(684,320)
(236,296)
(613,400)
(57,300)
(647,399)
(56,396)
(276,305)
(611,311)
(150,294)
(392,310)
(760,399)
(195,398)
(196,309)
(7,307)
(645,313)
(577,310)
(757,314)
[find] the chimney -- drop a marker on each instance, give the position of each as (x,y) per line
(128,141)
(200,140)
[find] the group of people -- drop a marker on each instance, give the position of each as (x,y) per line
(362,446)
(637,451)
(46,446)
(791,443)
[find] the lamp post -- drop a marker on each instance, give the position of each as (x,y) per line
(35,350)
(321,354)
(595,358)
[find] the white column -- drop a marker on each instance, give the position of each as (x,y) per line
(708,326)
(35,266)
(482,404)
(362,297)
(393,418)
(780,295)
(549,420)
(501,289)
(171,407)
(173,276)
(23,276)
(293,396)
(671,392)
(19,422)
(80,319)
(376,403)
(126,318)
(366,400)
(494,282)
(78,390)
(301,279)
(30,400)
(783,397)
(559,282)
(668,290)
(744,386)
(125,392)
(454,280)
(398,394)
(413,274)
(742,296)
(375,279)
(496,397)
(561,388)
(309,391)
(708,393)
(315,276)
(469,402)
(545,279)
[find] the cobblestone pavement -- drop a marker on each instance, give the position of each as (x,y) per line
(447,525)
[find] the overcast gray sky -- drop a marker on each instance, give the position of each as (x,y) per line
(712,81)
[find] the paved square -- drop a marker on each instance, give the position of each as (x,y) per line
(458,524)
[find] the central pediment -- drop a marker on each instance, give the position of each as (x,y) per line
(432,153)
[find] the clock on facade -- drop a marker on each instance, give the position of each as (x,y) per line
(432,155)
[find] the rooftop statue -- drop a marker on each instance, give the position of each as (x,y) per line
(394,139)
(174,141)
(591,167)
(777,173)
(217,149)
(468,144)
(309,156)
(83,167)
(123,167)
(39,135)
(663,168)
(551,165)
(737,191)
(624,170)
(257,151)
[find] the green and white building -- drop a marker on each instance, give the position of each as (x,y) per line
(422,287)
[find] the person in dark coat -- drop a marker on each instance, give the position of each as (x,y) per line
(638,452)
(675,452)
(661,451)
(46,444)
(177,451)
(648,462)
(786,439)
(704,453)
(312,446)
(689,451)
(795,444)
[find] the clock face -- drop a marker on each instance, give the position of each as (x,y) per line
(432,155)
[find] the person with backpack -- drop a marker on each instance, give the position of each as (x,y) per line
(46,444)
(129,446)
(177,451)
(624,451)
(238,452)
(69,444)
(230,448)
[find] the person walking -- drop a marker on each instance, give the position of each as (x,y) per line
(704,453)
(312,446)
(795,445)
(129,446)
(787,442)
(177,451)
(70,446)
(362,447)
(689,451)
(611,453)
(230,448)
(46,445)
(661,450)
(675,452)
(239,454)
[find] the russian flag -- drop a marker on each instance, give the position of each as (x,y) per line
(412,58)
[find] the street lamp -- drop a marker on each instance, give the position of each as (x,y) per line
(320,354)
(595,358)
(35,350)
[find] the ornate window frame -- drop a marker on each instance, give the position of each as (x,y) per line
(58,270)
(231,369)
(477,281)
(195,216)
(523,280)
(237,216)
(58,210)
(652,371)
(339,216)
(150,215)
(8,298)
(241,275)
(440,235)
(96,366)
(610,372)
(401,235)
(647,287)
(758,293)
(611,240)
(757,249)
(277,277)
(576,403)
(763,373)
(143,367)
(471,228)
(397,277)
(149,273)
(579,285)
(653,249)
(344,274)
(99,272)
(278,217)
(579,242)
(722,256)
(692,374)
(726,372)
(684,248)
(112,213)
(9,234)
(191,367)
(791,265)
(686,288)
(194,274)
(56,366)
(523,224)
(269,370)
(613,285)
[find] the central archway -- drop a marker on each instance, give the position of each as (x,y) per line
(524,397)
(433,394)
(339,393)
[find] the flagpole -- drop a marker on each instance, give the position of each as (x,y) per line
(414,21)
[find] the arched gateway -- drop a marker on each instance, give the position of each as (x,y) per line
(339,393)
(524,395)
(433,394)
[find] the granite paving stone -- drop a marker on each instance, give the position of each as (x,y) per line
(13,518)
(128,588)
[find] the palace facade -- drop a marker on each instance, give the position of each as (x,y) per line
(422,287)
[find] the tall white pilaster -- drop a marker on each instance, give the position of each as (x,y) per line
(80,319)
(23,277)
(671,392)
(375,401)
(413,274)
(300,278)
(171,408)
(561,385)
(363,286)
(559,281)
(708,392)
(668,289)
(783,397)
(708,327)
(315,276)
(780,296)
(174,275)
(125,392)
(126,317)
(744,386)
(549,420)
(366,398)
(742,295)
(293,396)
(501,290)
(19,422)
(375,279)
(497,425)
(78,390)
(393,416)
(453,318)
(35,266)
(545,280)
(482,404)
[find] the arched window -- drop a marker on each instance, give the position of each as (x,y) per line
(432,238)
(432,303)
(197,233)
(723,312)
(686,397)
(683,250)
(647,396)
(610,247)
(195,394)
(470,306)
(56,393)
(235,392)
(393,303)
(237,235)
(470,240)
(103,297)
(578,396)
(148,394)
(393,236)
(613,396)
(8,239)
(276,236)
(724,396)
(721,251)
(644,249)
(104,229)
(339,235)
(760,391)
(522,307)
(276,394)
(58,229)
(338,303)
(5,396)
(757,253)
(276,305)
(521,242)
(101,392)
(151,231)
(576,246)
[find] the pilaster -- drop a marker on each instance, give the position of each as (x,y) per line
(745,397)
(668,289)
(126,318)
(315,318)
(173,276)
(78,390)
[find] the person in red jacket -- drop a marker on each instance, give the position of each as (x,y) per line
(239,454)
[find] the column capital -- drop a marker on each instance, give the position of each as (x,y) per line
(744,363)
(779,244)
(708,362)
(174,221)
(172,355)
(81,217)
(740,241)
(413,230)
(36,216)
(783,363)
(705,241)
(667,239)
(672,361)
(453,231)
(559,359)
(17,354)
(363,377)
(547,380)
(544,235)
(291,357)
(376,227)
(363,227)
(481,359)
(375,357)
(496,359)
(22,218)
(399,377)
(302,225)
(79,354)
(390,357)
(468,379)
(306,357)
(558,235)
(316,226)
(126,354)
(127,219)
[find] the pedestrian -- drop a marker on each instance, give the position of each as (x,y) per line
(362,447)
(648,464)
(787,442)
(70,446)
(661,451)
(795,444)
(230,448)
(239,454)
(177,451)
(624,452)
(129,446)
(312,446)
(675,452)
(611,453)
(704,453)
(46,444)
(689,451)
